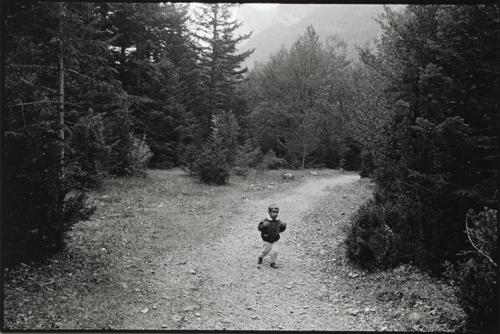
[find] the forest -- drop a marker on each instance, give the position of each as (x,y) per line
(99,89)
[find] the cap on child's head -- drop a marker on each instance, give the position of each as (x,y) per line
(273,207)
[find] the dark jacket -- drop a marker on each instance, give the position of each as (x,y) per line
(271,229)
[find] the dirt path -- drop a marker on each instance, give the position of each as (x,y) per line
(222,287)
(165,252)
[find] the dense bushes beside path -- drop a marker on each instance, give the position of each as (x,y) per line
(438,154)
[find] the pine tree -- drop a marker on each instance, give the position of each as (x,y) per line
(212,165)
(219,61)
(154,60)
(55,69)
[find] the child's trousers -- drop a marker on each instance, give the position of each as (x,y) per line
(267,248)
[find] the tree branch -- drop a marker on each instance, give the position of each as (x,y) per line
(55,68)
(472,243)
(30,103)
(31,66)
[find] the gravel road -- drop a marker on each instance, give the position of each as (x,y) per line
(222,287)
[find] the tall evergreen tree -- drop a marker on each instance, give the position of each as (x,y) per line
(55,69)
(438,71)
(219,62)
(153,53)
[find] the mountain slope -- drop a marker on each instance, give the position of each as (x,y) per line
(355,24)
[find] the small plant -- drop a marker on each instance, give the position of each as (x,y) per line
(139,156)
(477,276)
(367,164)
(210,164)
(370,240)
(188,158)
(247,156)
(270,161)
(86,151)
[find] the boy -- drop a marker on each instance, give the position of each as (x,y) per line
(270,229)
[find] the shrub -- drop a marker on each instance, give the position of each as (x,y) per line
(228,129)
(86,150)
(370,240)
(350,154)
(139,156)
(210,164)
(367,164)
(36,211)
(477,275)
(188,158)
(246,157)
(270,161)
(211,168)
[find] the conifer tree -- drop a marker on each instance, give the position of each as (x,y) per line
(155,61)
(219,61)
(56,69)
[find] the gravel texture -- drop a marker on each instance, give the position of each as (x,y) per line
(191,263)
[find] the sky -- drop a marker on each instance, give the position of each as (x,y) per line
(263,6)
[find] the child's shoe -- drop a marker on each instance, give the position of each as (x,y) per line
(259,261)
(273,265)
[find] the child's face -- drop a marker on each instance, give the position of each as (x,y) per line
(273,213)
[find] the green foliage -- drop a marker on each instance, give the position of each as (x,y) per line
(301,100)
(228,129)
(188,158)
(349,152)
(271,161)
(35,213)
(437,138)
(367,164)
(87,150)
(152,56)
(477,274)
(210,164)
(247,156)
(139,156)
(128,155)
(370,241)
(48,170)
(218,61)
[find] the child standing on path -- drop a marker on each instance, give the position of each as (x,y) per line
(270,229)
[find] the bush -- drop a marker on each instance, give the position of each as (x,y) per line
(209,162)
(370,241)
(211,169)
(477,275)
(246,157)
(86,151)
(350,154)
(367,164)
(36,211)
(188,158)
(139,156)
(228,129)
(270,161)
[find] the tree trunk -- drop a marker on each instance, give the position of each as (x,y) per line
(304,156)
(60,104)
